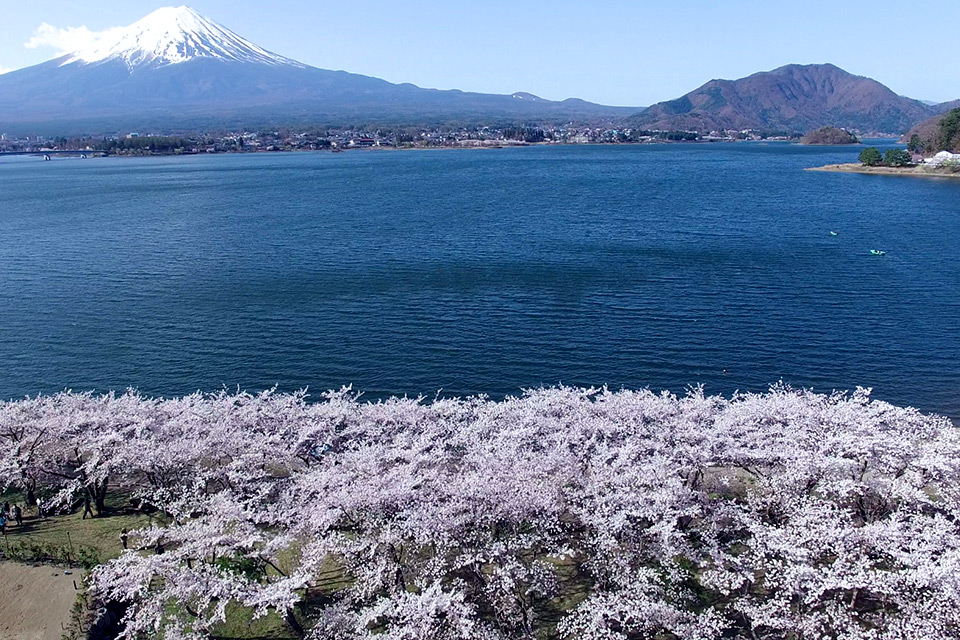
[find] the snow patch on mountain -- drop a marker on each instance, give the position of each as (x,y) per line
(172,35)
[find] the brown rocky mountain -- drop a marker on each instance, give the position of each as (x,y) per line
(792,98)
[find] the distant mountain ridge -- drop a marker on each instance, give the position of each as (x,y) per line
(791,98)
(176,69)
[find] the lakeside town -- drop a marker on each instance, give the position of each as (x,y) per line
(152,143)
(133,144)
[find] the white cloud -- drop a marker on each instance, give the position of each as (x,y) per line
(64,40)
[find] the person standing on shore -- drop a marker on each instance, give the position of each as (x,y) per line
(123,538)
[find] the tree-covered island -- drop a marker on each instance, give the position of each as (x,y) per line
(829,136)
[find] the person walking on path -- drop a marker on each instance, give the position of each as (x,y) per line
(3,524)
(18,515)
(123,538)
(86,507)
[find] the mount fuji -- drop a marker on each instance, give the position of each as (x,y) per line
(175,69)
(171,36)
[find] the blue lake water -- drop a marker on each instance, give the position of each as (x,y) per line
(479,272)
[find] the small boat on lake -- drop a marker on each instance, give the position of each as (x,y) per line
(877,252)
(833,233)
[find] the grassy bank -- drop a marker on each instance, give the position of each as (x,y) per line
(68,540)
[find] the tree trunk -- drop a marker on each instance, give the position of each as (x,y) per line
(100,496)
(294,624)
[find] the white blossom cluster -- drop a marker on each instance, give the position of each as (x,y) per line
(569,513)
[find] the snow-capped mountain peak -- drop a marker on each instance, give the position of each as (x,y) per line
(172,35)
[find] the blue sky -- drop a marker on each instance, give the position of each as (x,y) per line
(609,51)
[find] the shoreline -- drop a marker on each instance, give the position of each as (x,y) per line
(917,171)
(444,147)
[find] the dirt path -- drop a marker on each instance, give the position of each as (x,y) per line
(34,601)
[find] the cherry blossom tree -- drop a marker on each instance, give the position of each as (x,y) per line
(563,512)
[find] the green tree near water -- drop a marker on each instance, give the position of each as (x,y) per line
(871,157)
(897,158)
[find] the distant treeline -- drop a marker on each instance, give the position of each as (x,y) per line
(155,144)
(526,134)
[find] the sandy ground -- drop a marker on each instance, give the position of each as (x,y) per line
(35,601)
(886,171)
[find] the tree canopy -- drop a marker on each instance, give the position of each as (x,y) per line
(949,138)
(897,158)
(577,513)
(871,157)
